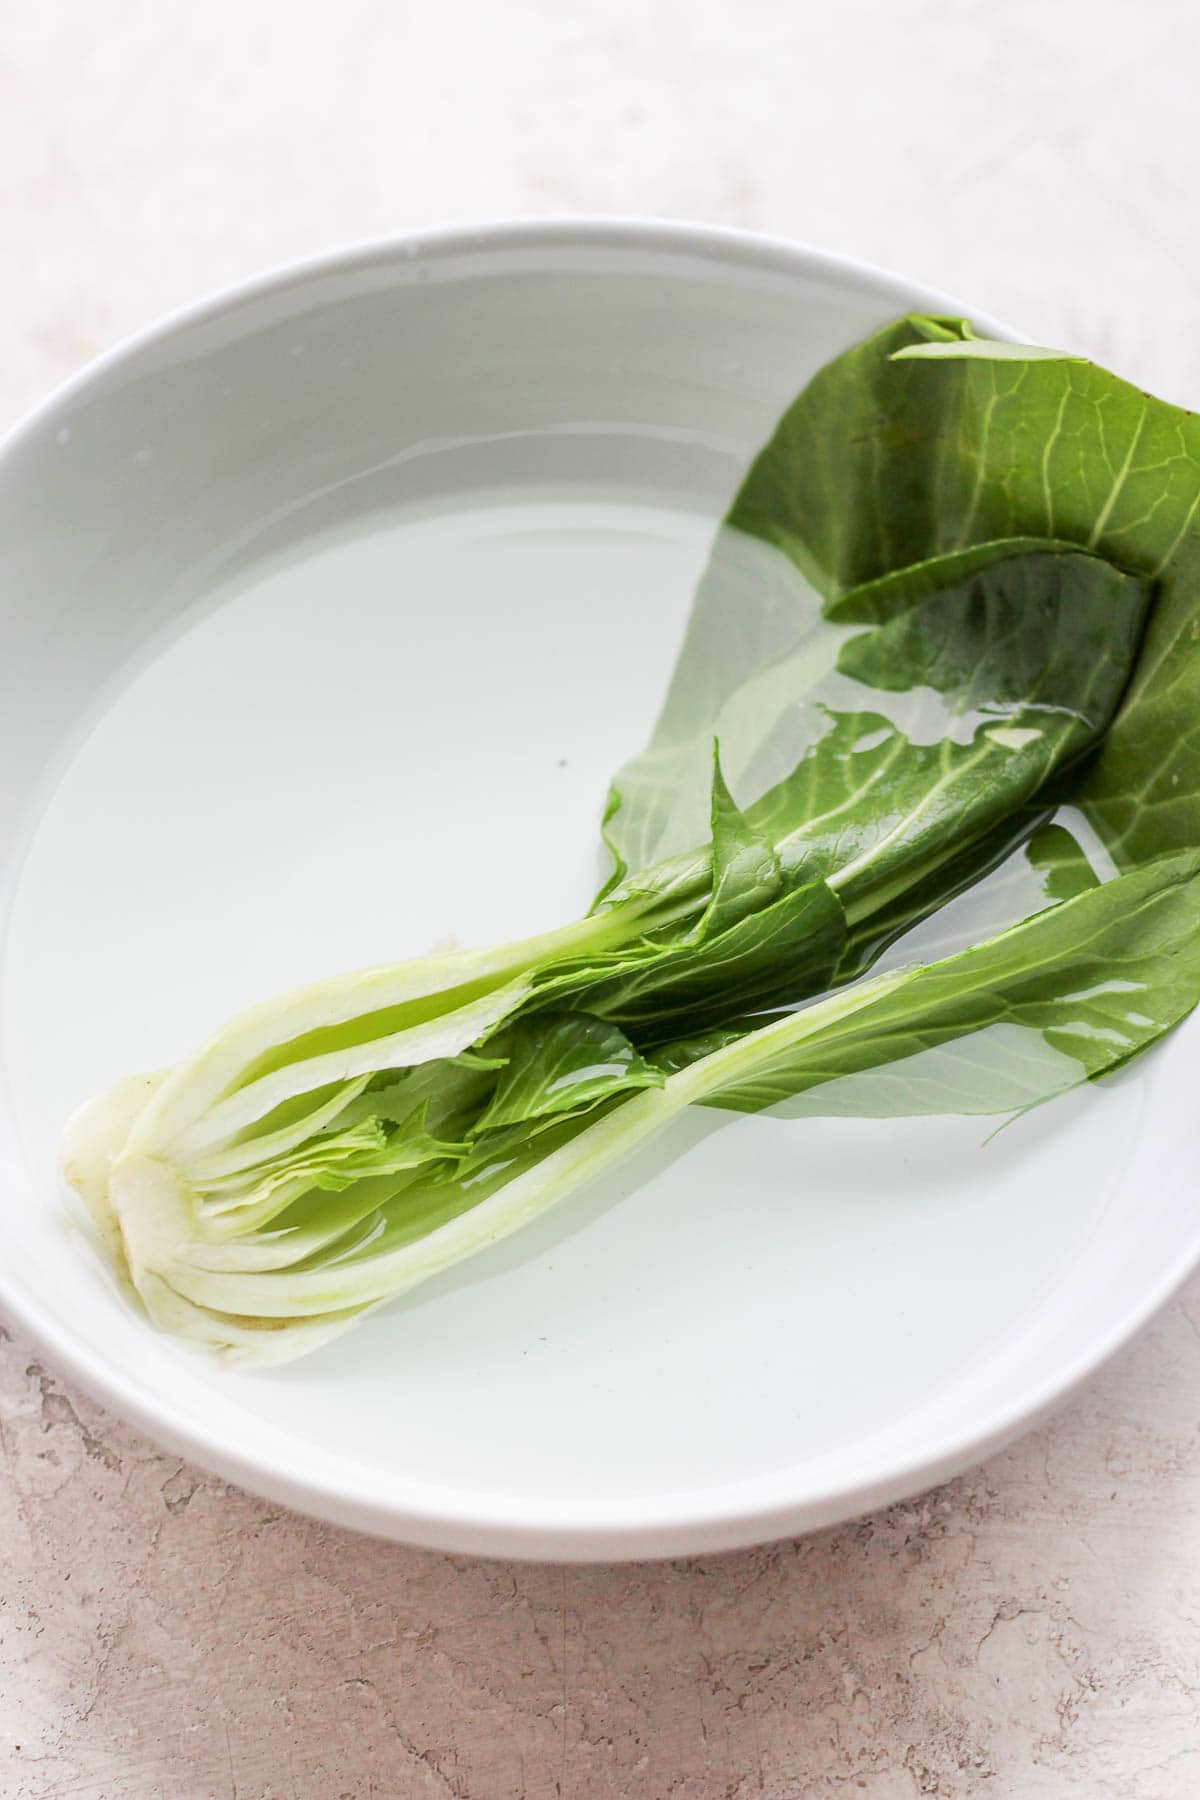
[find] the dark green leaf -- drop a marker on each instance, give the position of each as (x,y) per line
(558,1062)
(745,869)
(656,989)
(1058,446)
(1094,980)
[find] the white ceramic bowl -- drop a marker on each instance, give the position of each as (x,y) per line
(328,609)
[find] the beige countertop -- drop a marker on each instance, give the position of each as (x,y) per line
(1029,1631)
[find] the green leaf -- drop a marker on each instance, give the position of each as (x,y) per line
(1005,673)
(559,1062)
(657,988)
(1096,978)
(745,869)
(1060,860)
(852,484)
(1057,446)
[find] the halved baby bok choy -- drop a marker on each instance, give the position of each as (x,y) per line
(946,643)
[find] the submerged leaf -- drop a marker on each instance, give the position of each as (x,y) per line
(1097,978)
(1057,445)
(745,868)
(558,1062)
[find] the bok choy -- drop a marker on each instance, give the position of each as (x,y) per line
(947,641)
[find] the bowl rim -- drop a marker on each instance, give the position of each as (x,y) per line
(584,230)
(730,1516)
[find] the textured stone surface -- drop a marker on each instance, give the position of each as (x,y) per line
(1032,1630)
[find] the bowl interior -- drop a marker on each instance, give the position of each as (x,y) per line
(328,613)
